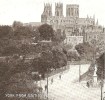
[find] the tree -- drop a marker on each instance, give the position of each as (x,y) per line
(68,47)
(22,32)
(101,67)
(43,63)
(85,50)
(59,58)
(59,36)
(73,55)
(10,50)
(15,77)
(8,70)
(46,32)
(98,46)
(16,24)
(5,31)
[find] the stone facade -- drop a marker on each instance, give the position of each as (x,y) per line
(93,33)
(71,23)
(73,40)
(71,20)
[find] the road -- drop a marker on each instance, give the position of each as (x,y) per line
(68,87)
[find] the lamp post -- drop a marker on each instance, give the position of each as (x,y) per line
(102,84)
(47,87)
(40,79)
(104,90)
(101,90)
(47,83)
(79,71)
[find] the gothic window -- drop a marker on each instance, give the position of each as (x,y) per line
(49,13)
(77,12)
(57,13)
(69,11)
(72,11)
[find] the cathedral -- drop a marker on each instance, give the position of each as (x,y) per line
(75,28)
(69,23)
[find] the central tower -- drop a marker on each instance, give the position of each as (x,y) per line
(59,9)
(72,10)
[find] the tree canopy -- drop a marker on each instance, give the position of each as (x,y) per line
(5,31)
(46,32)
(101,66)
(85,50)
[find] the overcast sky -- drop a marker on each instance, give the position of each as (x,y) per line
(31,10)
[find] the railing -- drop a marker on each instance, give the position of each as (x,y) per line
(58,70)
(78,62)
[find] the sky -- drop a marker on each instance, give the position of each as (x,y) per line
(31,10)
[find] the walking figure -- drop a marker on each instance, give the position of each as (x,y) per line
(45,87)
(40,89)
(88,85)
(51,80)
(59,76)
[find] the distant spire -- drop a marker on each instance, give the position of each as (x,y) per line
(97,22)
(44,7)
(94,19)
(87,16)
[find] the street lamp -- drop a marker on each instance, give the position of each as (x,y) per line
(79,71)
(47,83)
(102,84)
(104,90)
(101,90)
(40,79)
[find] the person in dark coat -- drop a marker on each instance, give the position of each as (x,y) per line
(45,87)
(51,80)
(60,76)
(88,85)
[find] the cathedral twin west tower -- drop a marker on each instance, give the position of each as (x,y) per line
(71,10)
(70,22)
(76,28)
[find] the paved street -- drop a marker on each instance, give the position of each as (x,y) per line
(68,87)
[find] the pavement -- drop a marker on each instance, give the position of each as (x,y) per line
(69,87)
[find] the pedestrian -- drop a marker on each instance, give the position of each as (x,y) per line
(40,89)
(45,87)
(88,85)
(60,76)
(51,80)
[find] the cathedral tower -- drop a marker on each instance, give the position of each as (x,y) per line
(47,12)
(72,10)
(59,9)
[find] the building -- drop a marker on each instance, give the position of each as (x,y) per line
(73,40)
(71,20)
(84,28)
(93,33)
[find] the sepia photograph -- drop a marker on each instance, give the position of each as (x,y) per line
(52,50)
